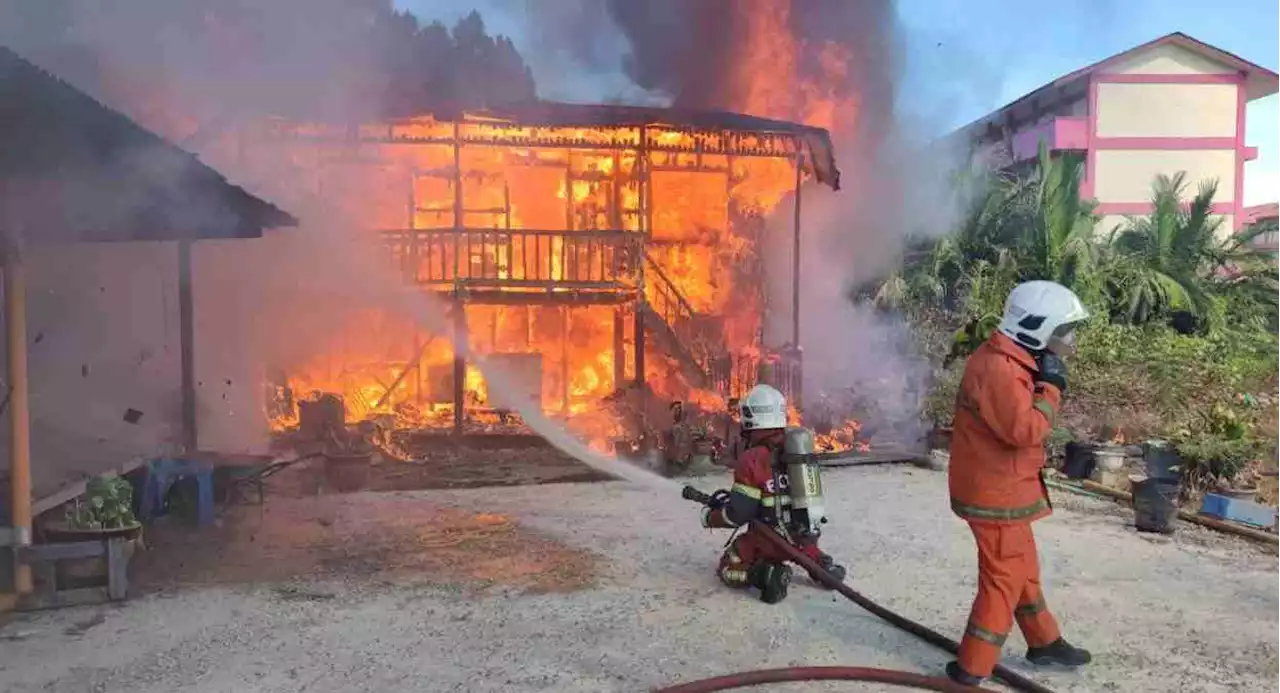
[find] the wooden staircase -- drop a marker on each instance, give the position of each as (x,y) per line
(693,340)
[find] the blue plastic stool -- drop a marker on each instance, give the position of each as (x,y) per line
(161,475)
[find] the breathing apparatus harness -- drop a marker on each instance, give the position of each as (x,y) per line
(799,520)
(802,519)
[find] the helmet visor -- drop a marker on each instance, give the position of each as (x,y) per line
(1063,340)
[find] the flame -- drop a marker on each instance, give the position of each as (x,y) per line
(536,220)
(529,215)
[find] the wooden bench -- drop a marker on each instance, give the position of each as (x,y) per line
(44,558)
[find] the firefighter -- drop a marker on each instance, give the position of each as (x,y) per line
(1008,399)
(759,491)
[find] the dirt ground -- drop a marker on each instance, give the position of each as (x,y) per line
(610,587)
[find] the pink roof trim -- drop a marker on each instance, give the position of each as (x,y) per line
(1263,211)
(1260,81)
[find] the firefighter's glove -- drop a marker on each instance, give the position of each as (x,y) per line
(719,499)
(1053,370)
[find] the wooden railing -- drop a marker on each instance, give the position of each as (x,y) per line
(524,258)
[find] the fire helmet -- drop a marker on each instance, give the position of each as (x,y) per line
(1042,315)
(763,408)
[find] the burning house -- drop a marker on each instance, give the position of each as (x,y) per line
(581,250)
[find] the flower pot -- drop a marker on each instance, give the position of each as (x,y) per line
(1079,460)
(1109,458)
(347,473)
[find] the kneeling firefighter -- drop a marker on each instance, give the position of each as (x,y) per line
(1008,399)
(776,480)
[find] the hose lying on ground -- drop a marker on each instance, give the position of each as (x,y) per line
(1012,678)
(764,676)
(902,678)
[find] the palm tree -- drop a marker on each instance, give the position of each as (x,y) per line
(1163,262)
(1246,280)
(1058,244)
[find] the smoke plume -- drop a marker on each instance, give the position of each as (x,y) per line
(196,71)
(835,64)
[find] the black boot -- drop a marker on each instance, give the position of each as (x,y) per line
(772,579)
(956,673)
(1059,652)
(829,564)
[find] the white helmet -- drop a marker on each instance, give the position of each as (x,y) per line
(764,407)
(1040,315)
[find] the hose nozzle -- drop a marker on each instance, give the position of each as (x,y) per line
(692,494)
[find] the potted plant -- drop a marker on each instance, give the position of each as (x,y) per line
(1216,450)
(105,511)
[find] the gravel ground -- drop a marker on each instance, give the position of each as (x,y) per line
(1195,613)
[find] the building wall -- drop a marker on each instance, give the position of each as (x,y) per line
(1162,111)
(1126,175)
(1167,110)
(1109,223)
(1169,59)
(103,336)
(102,329)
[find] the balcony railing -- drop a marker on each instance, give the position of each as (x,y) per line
(519,258)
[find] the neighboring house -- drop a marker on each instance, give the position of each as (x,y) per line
(1174,104)
(99,209)
(1268,242)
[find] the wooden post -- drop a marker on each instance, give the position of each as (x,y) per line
(457,210)
(619,349)
(795,256)
(459,365)
(639,342)
(15,295)
(186,345)
(564,360)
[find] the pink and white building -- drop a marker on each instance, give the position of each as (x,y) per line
(1174,104)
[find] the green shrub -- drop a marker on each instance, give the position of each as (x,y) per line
(108,504)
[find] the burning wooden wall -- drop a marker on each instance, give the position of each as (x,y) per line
(584,247)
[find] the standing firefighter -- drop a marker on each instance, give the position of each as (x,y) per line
(1008,399)
(760,490)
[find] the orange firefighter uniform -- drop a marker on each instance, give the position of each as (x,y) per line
(1002,416)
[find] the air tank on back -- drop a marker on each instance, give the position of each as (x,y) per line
(805,477)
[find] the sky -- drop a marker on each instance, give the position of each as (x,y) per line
(966,58)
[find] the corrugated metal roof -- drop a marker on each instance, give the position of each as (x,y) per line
(72,169)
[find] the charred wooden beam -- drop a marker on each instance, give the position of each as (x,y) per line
(459,365)
(501,297)
(779,147)
(619,350)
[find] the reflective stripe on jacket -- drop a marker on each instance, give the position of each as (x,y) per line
(997,441)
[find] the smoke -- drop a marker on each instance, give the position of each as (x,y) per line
(840,65)
(197,71)
(200,73)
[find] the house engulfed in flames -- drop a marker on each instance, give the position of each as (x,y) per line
(585,251)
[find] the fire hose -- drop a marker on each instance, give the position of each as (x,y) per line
(901,678)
